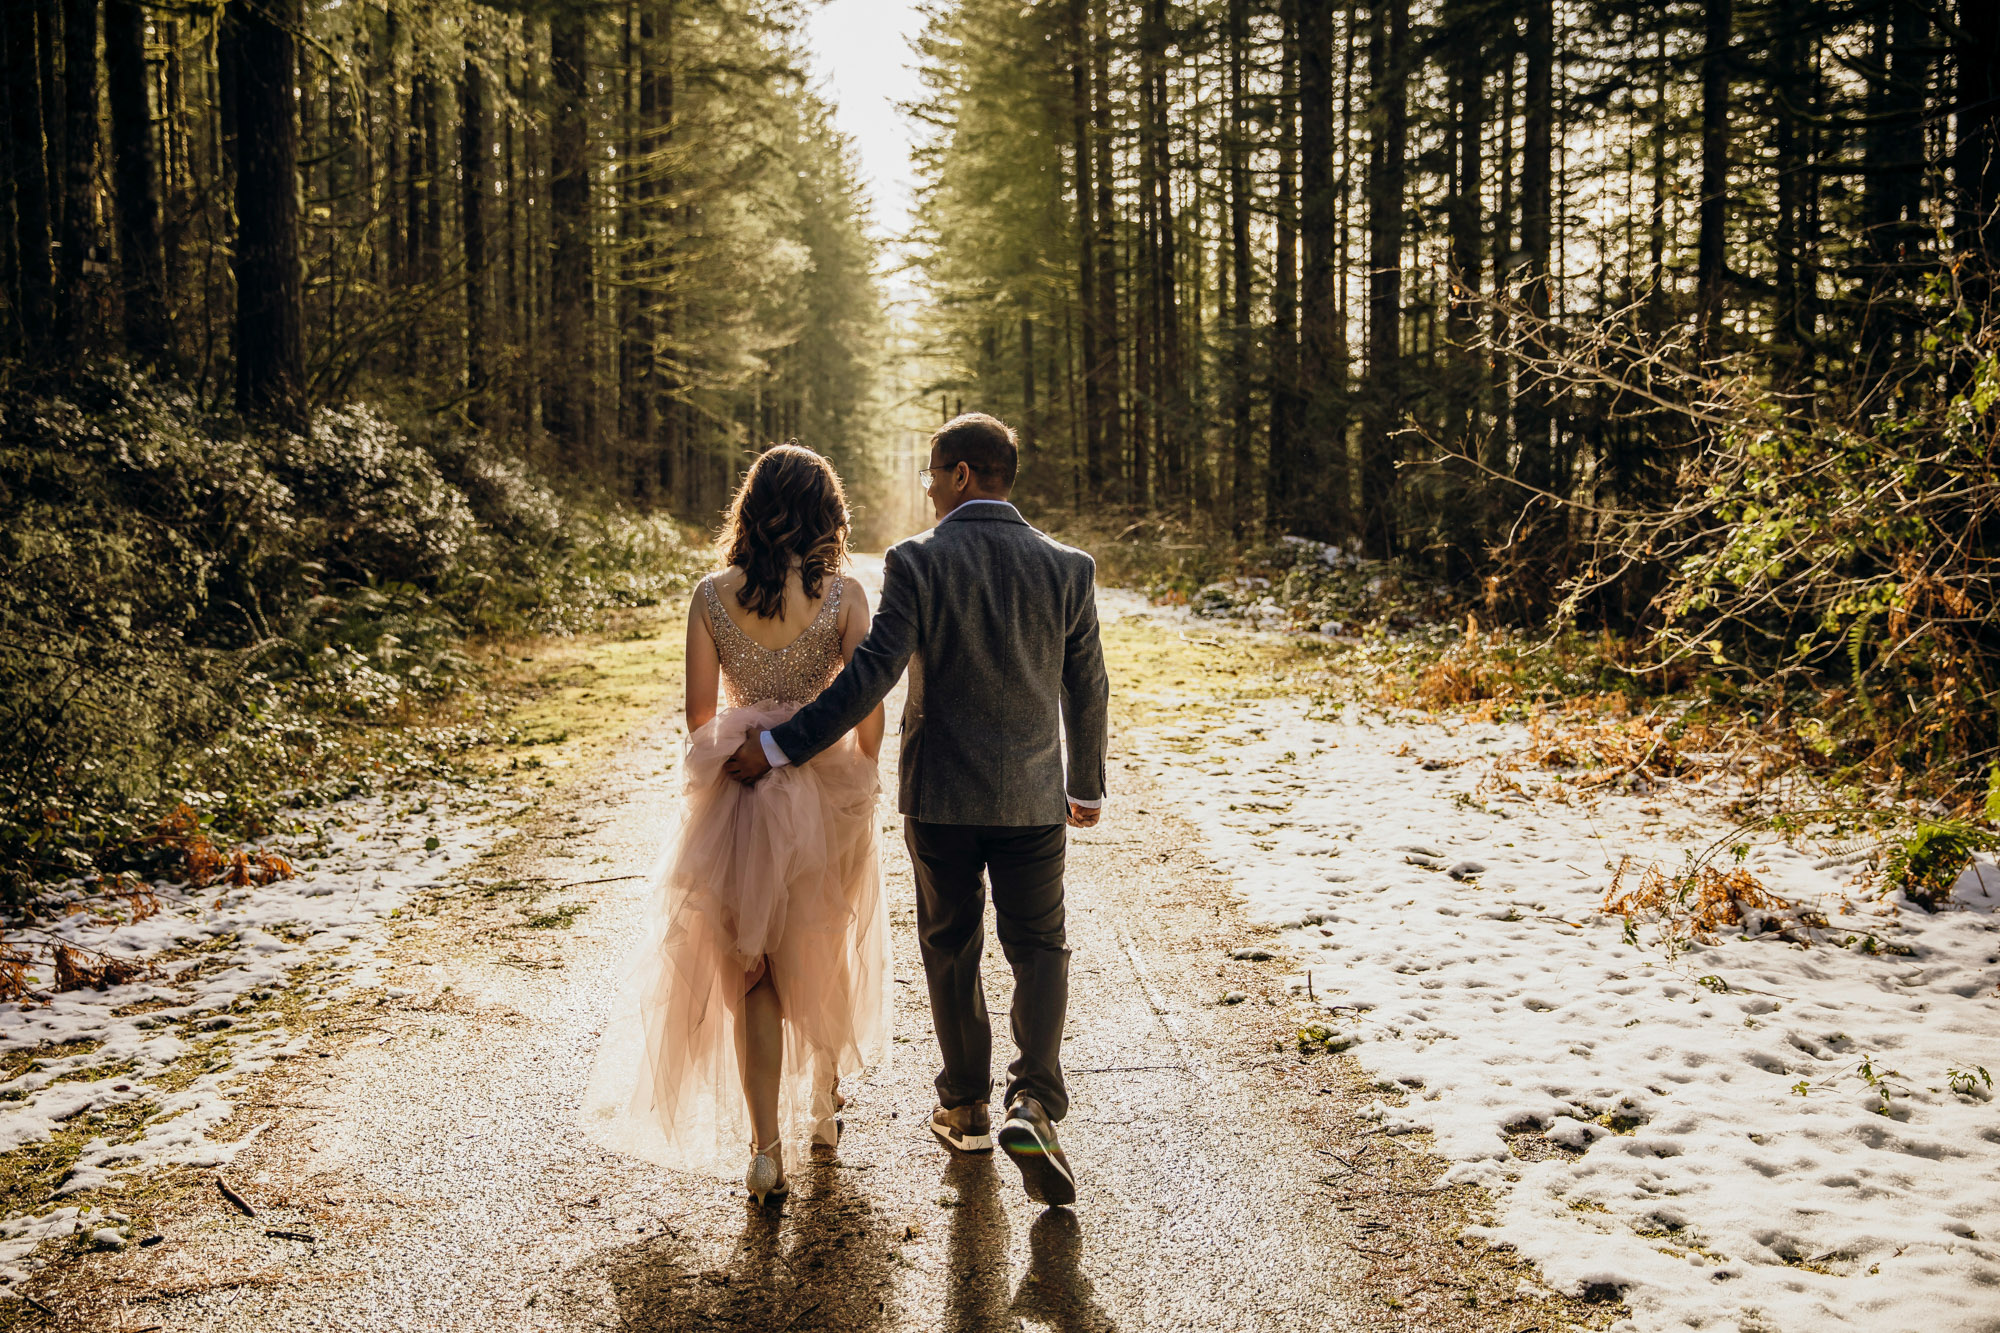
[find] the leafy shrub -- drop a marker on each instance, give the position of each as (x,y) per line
(190,611)
(1927,863)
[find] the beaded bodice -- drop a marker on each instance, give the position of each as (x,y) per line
(794,674)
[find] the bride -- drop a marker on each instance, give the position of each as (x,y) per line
(761,982)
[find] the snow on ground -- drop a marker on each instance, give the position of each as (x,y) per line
(1695,1131)
(182,1039)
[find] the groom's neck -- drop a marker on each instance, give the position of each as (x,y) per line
(998,497)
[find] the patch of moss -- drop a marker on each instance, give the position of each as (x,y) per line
(561,917)
(29,1174)
(18,1062)
(572,700)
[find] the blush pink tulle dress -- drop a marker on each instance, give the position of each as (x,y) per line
(785,871)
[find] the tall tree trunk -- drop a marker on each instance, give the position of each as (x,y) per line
(1243,490)
(656,102)
(1788,145)
(79,170)
(1279,458)
(567,409)
(1175,425)
(1029,411)
(1711,258)
(1388,79)
(1314,496)
(628,333)
(1976,155)
(270,354)
(1893,202)
(1467,223)
(1468,264)
(134,182)
(1533,414)
(1086,244)
(475,166)
(30,179)
(1113,454)
(48,30)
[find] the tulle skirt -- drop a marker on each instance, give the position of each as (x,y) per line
(784,874)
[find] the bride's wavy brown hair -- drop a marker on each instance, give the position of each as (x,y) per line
(789,507)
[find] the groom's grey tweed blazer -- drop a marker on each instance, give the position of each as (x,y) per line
(998,625)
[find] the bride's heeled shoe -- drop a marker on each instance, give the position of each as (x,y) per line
(766,1177)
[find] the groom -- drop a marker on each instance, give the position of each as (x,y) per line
(998,625)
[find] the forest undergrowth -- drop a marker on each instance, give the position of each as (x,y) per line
(202,626)
(1813,648)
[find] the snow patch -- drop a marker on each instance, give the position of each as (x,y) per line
(228,948)
(1748,1134)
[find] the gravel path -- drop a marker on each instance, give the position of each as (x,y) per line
(426,1142)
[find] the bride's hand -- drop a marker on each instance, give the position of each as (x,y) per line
(748,763)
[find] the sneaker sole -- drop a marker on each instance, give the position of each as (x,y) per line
(1044,1176)
(962,1142)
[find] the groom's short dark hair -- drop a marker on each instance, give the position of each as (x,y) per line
(985,444)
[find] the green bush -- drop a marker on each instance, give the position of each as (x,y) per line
(190,609)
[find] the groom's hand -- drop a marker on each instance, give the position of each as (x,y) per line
(1081,816)
(748,763)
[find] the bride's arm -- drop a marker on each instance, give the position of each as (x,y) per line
(854,615)
(704,667)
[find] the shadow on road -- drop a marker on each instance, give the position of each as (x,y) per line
(1055,1294)
(821,1262)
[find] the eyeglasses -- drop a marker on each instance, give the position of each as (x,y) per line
(928,475)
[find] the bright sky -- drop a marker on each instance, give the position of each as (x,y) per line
(861,52)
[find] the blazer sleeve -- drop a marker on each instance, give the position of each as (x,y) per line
(869,675)
(1086,696)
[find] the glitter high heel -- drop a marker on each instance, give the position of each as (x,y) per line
(766,1177)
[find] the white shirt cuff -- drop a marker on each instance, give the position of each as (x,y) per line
(1087,805)
(772,754)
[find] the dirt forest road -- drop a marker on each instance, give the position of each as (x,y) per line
(422,1166)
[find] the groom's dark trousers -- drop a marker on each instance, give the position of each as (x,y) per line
(1025,865)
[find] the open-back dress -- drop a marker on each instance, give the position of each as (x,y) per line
(781,875)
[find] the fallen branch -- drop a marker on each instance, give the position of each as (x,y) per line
(241,1204)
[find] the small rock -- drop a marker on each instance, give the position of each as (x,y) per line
(219,1022)
(1419,849)
(1465,869)
(1251,953)
(107,1238)
(1235,997)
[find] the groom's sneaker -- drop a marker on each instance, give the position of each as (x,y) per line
(1030,1139)
(964,1128)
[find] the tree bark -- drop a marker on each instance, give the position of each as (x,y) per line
(1314,495)
(270,355)
(1112,456)
(1532,406)
(80,235)
(30,180)
(1243,491)
(1175,425)
(1279,460)
(1976,154)
(475,154)
(1711,259)
(1467,223)
(1388,80)
(134,182)
(567,410)
(1086,244)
